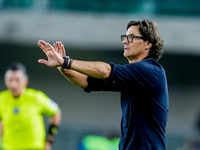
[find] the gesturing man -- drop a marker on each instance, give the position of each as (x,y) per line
(142,83)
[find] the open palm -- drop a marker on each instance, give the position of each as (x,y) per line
(54,57)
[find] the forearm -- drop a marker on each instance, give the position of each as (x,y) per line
(52,131)
(56,119)
(99,70)
(80,70)
(74,77)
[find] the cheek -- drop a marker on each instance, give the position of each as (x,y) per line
(23,85)
(139,47)
(9,84)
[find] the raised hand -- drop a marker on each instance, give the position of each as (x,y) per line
(53,53)
(59,47)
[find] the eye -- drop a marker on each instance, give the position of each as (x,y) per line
(130,37)
(123,37)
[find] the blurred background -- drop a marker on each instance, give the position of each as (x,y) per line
(90,31)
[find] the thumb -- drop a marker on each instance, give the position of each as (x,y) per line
(42,61)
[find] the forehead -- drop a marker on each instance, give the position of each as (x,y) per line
(133,30)
(14,74)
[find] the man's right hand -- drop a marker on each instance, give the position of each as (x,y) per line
(55,58)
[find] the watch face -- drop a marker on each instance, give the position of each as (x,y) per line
(16,110)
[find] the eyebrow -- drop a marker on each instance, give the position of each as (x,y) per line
(129,34)
(133,35)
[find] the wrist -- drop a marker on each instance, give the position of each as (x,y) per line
(67,62)
(62,62)
(50,139)
(52,131)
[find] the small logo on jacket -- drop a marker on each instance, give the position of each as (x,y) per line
(16,110)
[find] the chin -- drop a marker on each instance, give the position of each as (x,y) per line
(15,94)
(125,55)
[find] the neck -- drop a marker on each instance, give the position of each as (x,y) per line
(133,60)
(18,94)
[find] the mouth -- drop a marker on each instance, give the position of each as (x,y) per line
(126,48)
(13,90)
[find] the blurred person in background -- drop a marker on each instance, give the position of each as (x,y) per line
(142,83)
(94,142)
(21,113)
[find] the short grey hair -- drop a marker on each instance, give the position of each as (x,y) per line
(17,67)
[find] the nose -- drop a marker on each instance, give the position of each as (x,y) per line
(13,85)
(125,41)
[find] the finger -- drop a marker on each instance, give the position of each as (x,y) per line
(54,46)
(42,42)
(57,44)
(63,50)
(42,61)
(50,48)
(42,47)
(59,47)
(46,46)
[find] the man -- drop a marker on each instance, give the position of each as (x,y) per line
(21,113)
(142,83)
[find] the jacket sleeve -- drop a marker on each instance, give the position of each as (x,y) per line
(123,77)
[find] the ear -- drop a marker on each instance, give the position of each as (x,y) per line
(26,82)
(148,45)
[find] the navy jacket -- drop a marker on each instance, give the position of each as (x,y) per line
(144,103)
